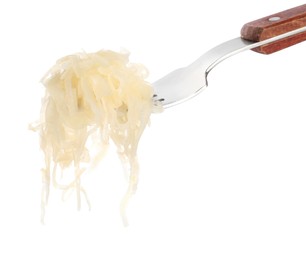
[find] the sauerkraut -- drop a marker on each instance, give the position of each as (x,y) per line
(90,99)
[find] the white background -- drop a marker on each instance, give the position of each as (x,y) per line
(223,176)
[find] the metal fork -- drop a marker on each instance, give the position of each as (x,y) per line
(184,83)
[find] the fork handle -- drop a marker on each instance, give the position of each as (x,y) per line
(274,25)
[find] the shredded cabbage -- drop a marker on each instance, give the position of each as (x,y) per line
(91,98)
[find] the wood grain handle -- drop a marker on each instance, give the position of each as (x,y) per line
(274,25)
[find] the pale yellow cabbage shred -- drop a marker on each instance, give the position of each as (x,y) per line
(90,99)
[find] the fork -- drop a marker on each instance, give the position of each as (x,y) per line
(266,35)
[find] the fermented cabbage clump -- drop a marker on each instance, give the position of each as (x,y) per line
(90,99)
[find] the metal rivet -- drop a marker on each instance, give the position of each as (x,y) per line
(275,18)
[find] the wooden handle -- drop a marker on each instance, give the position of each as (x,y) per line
(274,25)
